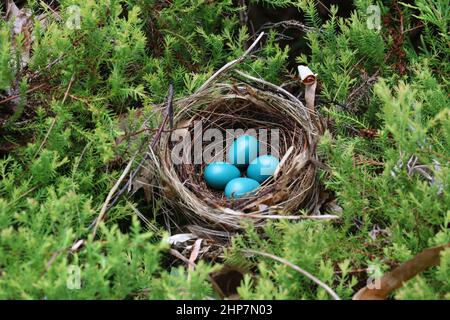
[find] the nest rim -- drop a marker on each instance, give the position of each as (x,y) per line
(293,187)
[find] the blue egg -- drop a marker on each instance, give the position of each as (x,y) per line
(262,168)
(240,187)
(218,174)
(243,150)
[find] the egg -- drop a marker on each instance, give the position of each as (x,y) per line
(240,187)
(262,168)
(218,174)
(243,150)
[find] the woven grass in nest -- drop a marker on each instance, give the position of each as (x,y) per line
(248,103)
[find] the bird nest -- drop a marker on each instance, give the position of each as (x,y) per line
(238,103)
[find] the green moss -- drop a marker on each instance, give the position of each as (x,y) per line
(122,59)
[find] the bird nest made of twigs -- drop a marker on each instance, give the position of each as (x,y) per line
(240,103)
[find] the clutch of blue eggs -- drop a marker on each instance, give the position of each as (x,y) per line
(242,159)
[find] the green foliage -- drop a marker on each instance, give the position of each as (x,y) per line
(435,16)
(312,245)
(6,70)
(122,59)
(341,50)
(420,289)
(412,118)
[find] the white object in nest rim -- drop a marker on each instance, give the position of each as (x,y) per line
(306,75)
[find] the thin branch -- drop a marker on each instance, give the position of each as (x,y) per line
(18,95)
(296,268)
(110,195)
(357,93)
(170,106)
(37,73)
(277,216)
(230,64)
(286,24)
(149,225)
(276,89)
(54,119)
(178,255)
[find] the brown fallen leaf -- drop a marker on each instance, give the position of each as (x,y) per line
(396,278)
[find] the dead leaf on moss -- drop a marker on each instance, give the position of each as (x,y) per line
(396,278)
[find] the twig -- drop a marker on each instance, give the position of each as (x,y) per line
(52,259)
(166,116)
(362,89)
(178,255)
(37,73)
(276,88)
(149,225)
(54,119)
(230,64)
(276,216)
(56,15)
(170,106)
(296,268)
(309,217)
(75,247)
(420,25)
(110,195)
(286,24)
(18,95)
